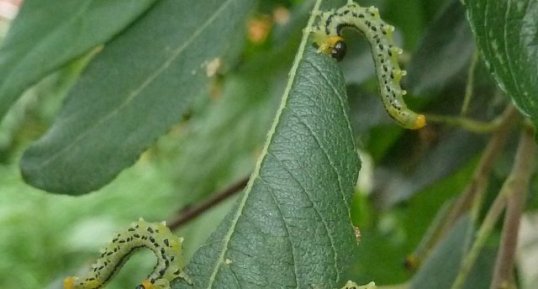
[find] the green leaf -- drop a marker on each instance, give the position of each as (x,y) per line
(398,13)
(133,92)
(439,271)
(444,51)
(291,227)
(223,141)
(434,165)
(507,36)
(48,34)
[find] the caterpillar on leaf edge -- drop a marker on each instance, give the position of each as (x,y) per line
(328,38)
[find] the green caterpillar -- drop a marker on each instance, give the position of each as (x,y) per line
(154,236)
(328,38)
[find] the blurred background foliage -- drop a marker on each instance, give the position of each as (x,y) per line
(405,180)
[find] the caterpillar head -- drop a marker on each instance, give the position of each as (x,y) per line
(338,51)
(335,46)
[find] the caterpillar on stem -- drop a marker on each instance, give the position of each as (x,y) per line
(155,236)
(328,38)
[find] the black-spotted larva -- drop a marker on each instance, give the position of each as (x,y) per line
(154,236)
(328,38)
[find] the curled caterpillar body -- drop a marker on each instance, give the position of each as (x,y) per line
(328,38)
(154,236)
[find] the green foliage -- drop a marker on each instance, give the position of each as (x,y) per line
(181,99)
(129,101)
(76,28)
(300,187)
(444,50)
(441,268)
(505,32)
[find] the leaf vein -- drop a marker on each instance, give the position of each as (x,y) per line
(317,210)
(335,90)
(293,254)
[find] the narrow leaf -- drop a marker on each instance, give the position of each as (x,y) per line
(507,35)
(444,51)
(291,227)
(441,268)
(132,93)
(48,34)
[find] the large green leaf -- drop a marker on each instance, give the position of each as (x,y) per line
(48,34)
(507,35)
(291,227)
(134,90)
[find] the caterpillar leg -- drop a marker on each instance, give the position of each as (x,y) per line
(158,284)
(162,283)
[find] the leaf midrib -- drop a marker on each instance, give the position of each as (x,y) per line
(261,159)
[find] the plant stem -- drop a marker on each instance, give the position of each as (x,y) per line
(483,233)
(469,124)
(470,84)
(476,187)
(192,212)
(518,180)
(478,184)
(504,264)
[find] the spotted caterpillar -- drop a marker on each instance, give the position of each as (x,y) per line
(328,38)
(156,237)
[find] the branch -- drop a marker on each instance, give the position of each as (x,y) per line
(476,187)
(478,184)
(191,212)
(470,124)
(504,265)
(517,182)
(470,83)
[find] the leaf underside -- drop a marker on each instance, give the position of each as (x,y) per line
(507,35)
